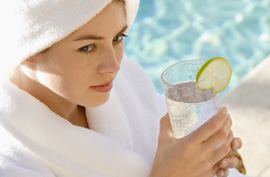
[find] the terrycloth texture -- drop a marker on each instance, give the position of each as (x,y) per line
(35,142)
(30,26)
(40,143)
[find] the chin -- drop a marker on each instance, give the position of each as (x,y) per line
(98,101)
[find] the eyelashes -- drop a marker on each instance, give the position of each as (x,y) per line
(119,37)
(91,47)
(87,48)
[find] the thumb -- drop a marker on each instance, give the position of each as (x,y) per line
(165,128)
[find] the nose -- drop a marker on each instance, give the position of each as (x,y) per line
(110,61)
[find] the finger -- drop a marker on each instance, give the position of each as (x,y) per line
(215,170)
(222,173)
(165,128)
(236,143)
(230,162)
(223,150)
(210,127)
(217,138)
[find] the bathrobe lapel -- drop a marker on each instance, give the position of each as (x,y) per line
(110,149)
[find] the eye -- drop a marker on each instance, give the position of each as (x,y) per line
(87,48)
(119,37)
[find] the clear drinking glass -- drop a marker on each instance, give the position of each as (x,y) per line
(188,106)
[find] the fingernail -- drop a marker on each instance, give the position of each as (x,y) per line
(222,174)
(224,111)
(236,145)
(224,164)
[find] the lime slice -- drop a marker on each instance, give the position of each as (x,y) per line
(215,73)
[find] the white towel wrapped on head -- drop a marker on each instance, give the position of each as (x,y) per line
(36,142)
(28,27)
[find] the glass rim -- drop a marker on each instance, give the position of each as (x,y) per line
(185,61)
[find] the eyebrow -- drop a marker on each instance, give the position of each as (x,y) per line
(93,37)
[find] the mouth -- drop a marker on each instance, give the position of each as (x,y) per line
(106,87)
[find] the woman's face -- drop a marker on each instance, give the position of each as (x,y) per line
(81,67)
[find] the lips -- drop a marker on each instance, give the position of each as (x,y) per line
(106,87)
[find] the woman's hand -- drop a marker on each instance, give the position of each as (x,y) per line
(196,155)
(229,161)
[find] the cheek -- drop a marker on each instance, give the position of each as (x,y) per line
(74,86)
(120,52)
(55,83)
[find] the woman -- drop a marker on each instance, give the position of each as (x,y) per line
(67,109)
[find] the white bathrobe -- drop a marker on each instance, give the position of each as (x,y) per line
(36,142)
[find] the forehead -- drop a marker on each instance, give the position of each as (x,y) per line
(109,21)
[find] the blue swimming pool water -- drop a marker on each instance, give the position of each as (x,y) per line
(169,31)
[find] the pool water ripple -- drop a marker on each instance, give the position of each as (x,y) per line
(166,32)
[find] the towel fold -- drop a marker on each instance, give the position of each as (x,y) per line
(36,142)
(31,26)
(122,141)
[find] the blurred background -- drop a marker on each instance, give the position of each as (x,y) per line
(169,31)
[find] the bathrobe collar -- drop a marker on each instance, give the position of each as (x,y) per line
(111,148)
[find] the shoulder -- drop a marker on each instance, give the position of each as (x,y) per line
(14,163)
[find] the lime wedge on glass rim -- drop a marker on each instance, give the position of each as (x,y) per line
(215,73)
